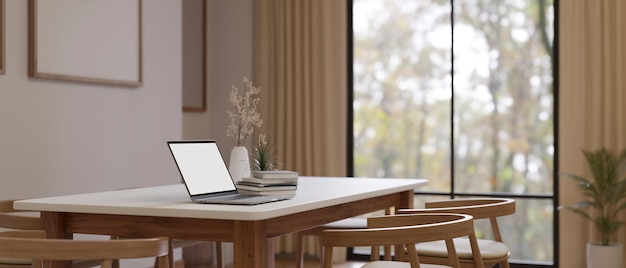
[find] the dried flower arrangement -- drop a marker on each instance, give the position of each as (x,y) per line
(245,117)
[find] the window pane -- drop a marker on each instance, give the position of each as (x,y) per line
(529,232)
(402,90)
(488,128)
(503,102)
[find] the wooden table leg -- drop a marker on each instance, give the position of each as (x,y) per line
(407,199)
(271,253)
(251,244)
(54,225)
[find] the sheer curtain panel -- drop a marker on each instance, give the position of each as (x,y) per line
(592,101)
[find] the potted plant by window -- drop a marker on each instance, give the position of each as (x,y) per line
(606,197)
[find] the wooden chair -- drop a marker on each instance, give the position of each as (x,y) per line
(349,223)
(492,251)
(403,232)
(11,218)
(17,220)
(34,246)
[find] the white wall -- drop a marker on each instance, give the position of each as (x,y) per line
(65,137)
(230,48)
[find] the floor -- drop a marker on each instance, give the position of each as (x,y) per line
(195,257)
(290,263)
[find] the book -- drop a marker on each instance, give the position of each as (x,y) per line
(280,192)
(265,187)
(274,174)
(270,181)
(267,184)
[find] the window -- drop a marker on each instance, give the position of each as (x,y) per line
(461,93)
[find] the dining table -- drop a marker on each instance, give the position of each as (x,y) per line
(166,210)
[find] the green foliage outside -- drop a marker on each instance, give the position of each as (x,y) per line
(490,125)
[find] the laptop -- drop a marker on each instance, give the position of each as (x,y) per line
(206,176)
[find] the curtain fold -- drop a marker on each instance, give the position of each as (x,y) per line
(592,100)
(300,63)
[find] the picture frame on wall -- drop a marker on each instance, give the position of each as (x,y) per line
(194,56)
(97,41)
(2,35)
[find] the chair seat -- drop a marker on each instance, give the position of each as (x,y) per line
(15,261)
(398,264)
(178,243)
(349,223)
(489,249)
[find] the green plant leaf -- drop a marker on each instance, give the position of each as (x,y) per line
(605,191)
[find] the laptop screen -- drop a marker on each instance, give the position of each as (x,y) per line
(201,166)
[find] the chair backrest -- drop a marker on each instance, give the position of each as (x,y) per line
(403,232)
(6,205)
(13,244)
(13,220)
(479,208)
(16,219)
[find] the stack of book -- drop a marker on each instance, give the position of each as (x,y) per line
(271,182)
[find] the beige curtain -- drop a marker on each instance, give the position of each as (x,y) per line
(592,99)
(300,64)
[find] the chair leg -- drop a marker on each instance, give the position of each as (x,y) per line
(170,253)
(218,252)
(321,251)
(299,251)
(107,264)
(163,262)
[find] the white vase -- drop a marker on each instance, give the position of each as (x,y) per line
(239,165)
(599,256)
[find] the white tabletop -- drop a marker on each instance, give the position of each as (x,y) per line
(173,200)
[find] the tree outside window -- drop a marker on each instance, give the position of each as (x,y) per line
(460,94)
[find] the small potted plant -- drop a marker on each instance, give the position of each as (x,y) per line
(264,158)
(606,197)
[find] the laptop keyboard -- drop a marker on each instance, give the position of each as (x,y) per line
(227,198)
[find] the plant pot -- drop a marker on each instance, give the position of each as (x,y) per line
(239,165)
(599,256)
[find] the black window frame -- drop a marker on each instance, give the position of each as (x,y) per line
(452,194)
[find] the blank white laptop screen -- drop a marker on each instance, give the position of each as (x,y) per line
(206,175)
(199,161)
